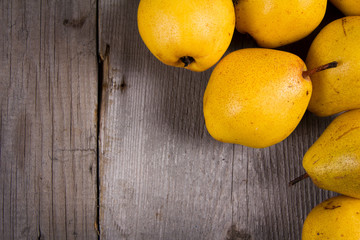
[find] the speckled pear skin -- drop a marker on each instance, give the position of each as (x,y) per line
(256,97)
(274,23)
(333,161)
(333,219)
(337,89)
(193,34)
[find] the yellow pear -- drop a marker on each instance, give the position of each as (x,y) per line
(190,33)
(338,89)
(256,97)
(333,161)
(348,7)
(334,219)
(275,23)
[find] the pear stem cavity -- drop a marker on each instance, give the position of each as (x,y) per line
(187,60)
(298,179)
(308,73)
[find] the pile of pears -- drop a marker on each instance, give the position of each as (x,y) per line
(256,97)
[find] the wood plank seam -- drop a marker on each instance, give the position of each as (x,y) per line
(99,97)
(103,62)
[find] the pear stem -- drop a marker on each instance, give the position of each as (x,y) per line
(298,179)
(308,73)
(187,60)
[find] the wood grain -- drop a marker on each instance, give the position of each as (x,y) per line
(162,177)
(161,174)
(48,119)
(265,207)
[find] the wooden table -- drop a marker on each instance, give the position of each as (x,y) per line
(99,140)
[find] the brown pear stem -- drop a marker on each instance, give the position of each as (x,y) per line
(308,73)
(187,60)
(298,179)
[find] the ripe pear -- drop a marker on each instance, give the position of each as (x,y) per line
(256,97)
(333,219)
(333,161)
(193,34)
(348,7)
(274,23)
(338,89)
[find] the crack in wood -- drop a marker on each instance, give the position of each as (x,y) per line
(101,71)
(39,237)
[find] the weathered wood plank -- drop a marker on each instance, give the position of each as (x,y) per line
(48,119)
(162,176)
(265,207)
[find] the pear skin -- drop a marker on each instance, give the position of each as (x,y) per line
(193,34)
(333,219)
(348,7)
(274,23)
(337,89)
(256,97)
(333,161)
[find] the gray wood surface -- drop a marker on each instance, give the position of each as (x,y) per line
(48,119)
(163,177)
(129,130)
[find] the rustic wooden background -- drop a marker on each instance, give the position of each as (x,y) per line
(99,140)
